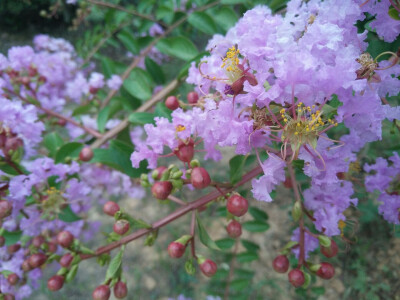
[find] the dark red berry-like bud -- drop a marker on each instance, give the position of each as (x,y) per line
(26,266)
(185,152)
(42,79)
(86,154)
(12,279)
(93,90)
(62,122)
(121,227)
(208,267)
(2,241)
(13,248)
(38,241)
(65,239)
(36,260)
(326,271)
(102,292)
(55,283)
(330,251)
(237,205)
(12,144)
(161,189)
(192,97)
(281,264)
(32,71)
(288,183)
(341,175)
(52,247)
(120,290)
(234,229)
(9,297)
(176,249)
(200,178)
(66,259)
(5,209)
(296,278)
(172,103)
(110,208)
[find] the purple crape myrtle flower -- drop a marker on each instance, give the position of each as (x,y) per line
(310,243)
(114,83)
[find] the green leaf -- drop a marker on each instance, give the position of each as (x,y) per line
(108,66)
(12,237)
(138,86)
(226,17)
(6,168)
(258,214)
(67,215)
(115,265)
(82,110)
(128,40)
(203,22)
(250,246)
(141,118)
(179,46)
(240,284)
(225,244)
(165,12)
(68,150)
(394,14)
(53,142)
(318,290)
(255,226)
(71,273)
(231,2)
(184,70)
(162,111)
(247,257)
(102,118)
(204,237)
(236,168)
(155,71)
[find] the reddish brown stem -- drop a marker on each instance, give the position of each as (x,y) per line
(176,200)
(181,211)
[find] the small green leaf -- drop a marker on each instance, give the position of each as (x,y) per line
(108,66)
(102,118)
(250,246)
(225,244)
(189,267)
(255,226)
(258,214)
(129,41)
(12,237)
(226,17)
(141,118)
(185,68)
(318,290)
(82,110)
(394,14)
(6,168)
(203,22)
(179,46)
(68,150)
(115,265)
(240,284)
(53,142)
(138,84)
(247,257)
(67,215)
(236,168)
(154,70)
(204,237)
(71,273)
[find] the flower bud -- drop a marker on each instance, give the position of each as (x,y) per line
(326,271)
(296,277)
(161,189)
(102,292)
(9,297)
(185,152)
(237,205)
(12,279)
(296,211)
(2,241)
(330,251)
(52,247)
(5,209)
(26,266)
(172,103)
(120,290)
(121,227)
(86,154)
(65,239)
(200,178)
(157,173)
(13,248)
(177,248)
(55,283)
(192,97)
(110,208)
(66,260)
(207,266)
(234,229)
(36,260)
(281,264)
(38,241)
(61,122)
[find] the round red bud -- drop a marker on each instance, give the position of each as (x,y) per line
(93,90)
(234,229)
(9,297)
(192,97)
(65,239)
(237,205)
(86,154)
(13,248)
(111,208)
(161,189)
(2,241)
(326,271)
(176,249)
(120,290)
(330,251)
(61,122)
(208,268)
(36,260)
(281,264)
(296,277)
(55,283)
(200,178)
(38,241)
(66,259)
(185,152)
(102,292)
(12,279)
(52,247)
(5,208)
(121,227)
(172,103)
(26,266)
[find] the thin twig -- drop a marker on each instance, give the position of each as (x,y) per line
(176,200)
